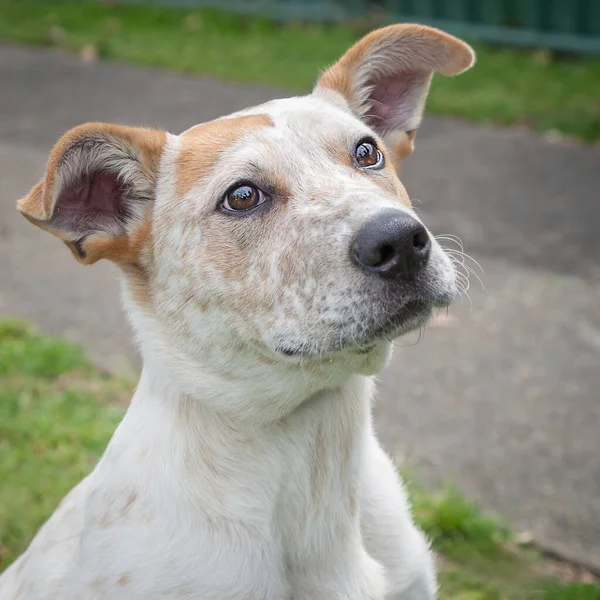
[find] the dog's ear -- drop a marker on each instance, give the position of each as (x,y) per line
(98,189)
(385,78)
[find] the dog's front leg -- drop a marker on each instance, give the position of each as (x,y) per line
(389,533)
(344,576)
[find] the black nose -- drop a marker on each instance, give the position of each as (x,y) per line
(393,245)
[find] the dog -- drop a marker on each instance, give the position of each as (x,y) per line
(268,260)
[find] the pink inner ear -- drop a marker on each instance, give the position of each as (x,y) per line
(92,203)
(395,101)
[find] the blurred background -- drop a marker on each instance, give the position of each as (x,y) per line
(494,414)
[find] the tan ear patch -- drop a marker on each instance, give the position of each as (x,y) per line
(409,46)
(148,145)
(77,153)
(202,146)
(123,250)
(32,205)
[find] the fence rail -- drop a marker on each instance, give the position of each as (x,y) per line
(570,25)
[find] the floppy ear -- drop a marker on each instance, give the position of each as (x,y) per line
(385,78)
(98,189)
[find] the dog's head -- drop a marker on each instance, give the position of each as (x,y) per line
(277,240)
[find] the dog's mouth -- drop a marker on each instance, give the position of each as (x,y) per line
(411,316)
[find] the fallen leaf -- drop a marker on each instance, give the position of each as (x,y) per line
(89,54)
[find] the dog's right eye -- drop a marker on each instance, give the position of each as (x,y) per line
(243,197)
(368,155)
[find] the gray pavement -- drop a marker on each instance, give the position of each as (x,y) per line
(503,399)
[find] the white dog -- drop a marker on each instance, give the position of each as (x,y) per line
(268,259)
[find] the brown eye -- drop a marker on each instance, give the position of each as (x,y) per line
(368,156)
(244,197)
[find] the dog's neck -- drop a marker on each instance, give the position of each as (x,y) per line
(313,452)
(158,394)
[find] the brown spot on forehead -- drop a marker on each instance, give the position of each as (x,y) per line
(202,146)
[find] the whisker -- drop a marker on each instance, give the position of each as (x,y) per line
(451,238)
(178,308)
(464,264)
(470,270)
(464,256)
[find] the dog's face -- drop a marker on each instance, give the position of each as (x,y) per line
(302,239)
(275,236)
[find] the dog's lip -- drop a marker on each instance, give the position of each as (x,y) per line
(300,352)
(289,352)
(411,315)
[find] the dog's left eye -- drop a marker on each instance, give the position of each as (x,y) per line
(243,197)
(368,156)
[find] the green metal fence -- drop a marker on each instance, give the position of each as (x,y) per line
(571,25)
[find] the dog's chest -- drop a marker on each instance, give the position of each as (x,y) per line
(241,530)
(283,497)
(253,523)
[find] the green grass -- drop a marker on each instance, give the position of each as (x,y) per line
(57,413)
(506,86)
(480,559)
(456,526)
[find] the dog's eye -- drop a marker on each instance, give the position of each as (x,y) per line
(243,197)
(368,156)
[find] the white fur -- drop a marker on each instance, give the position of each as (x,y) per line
(184,505)
(239,472)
